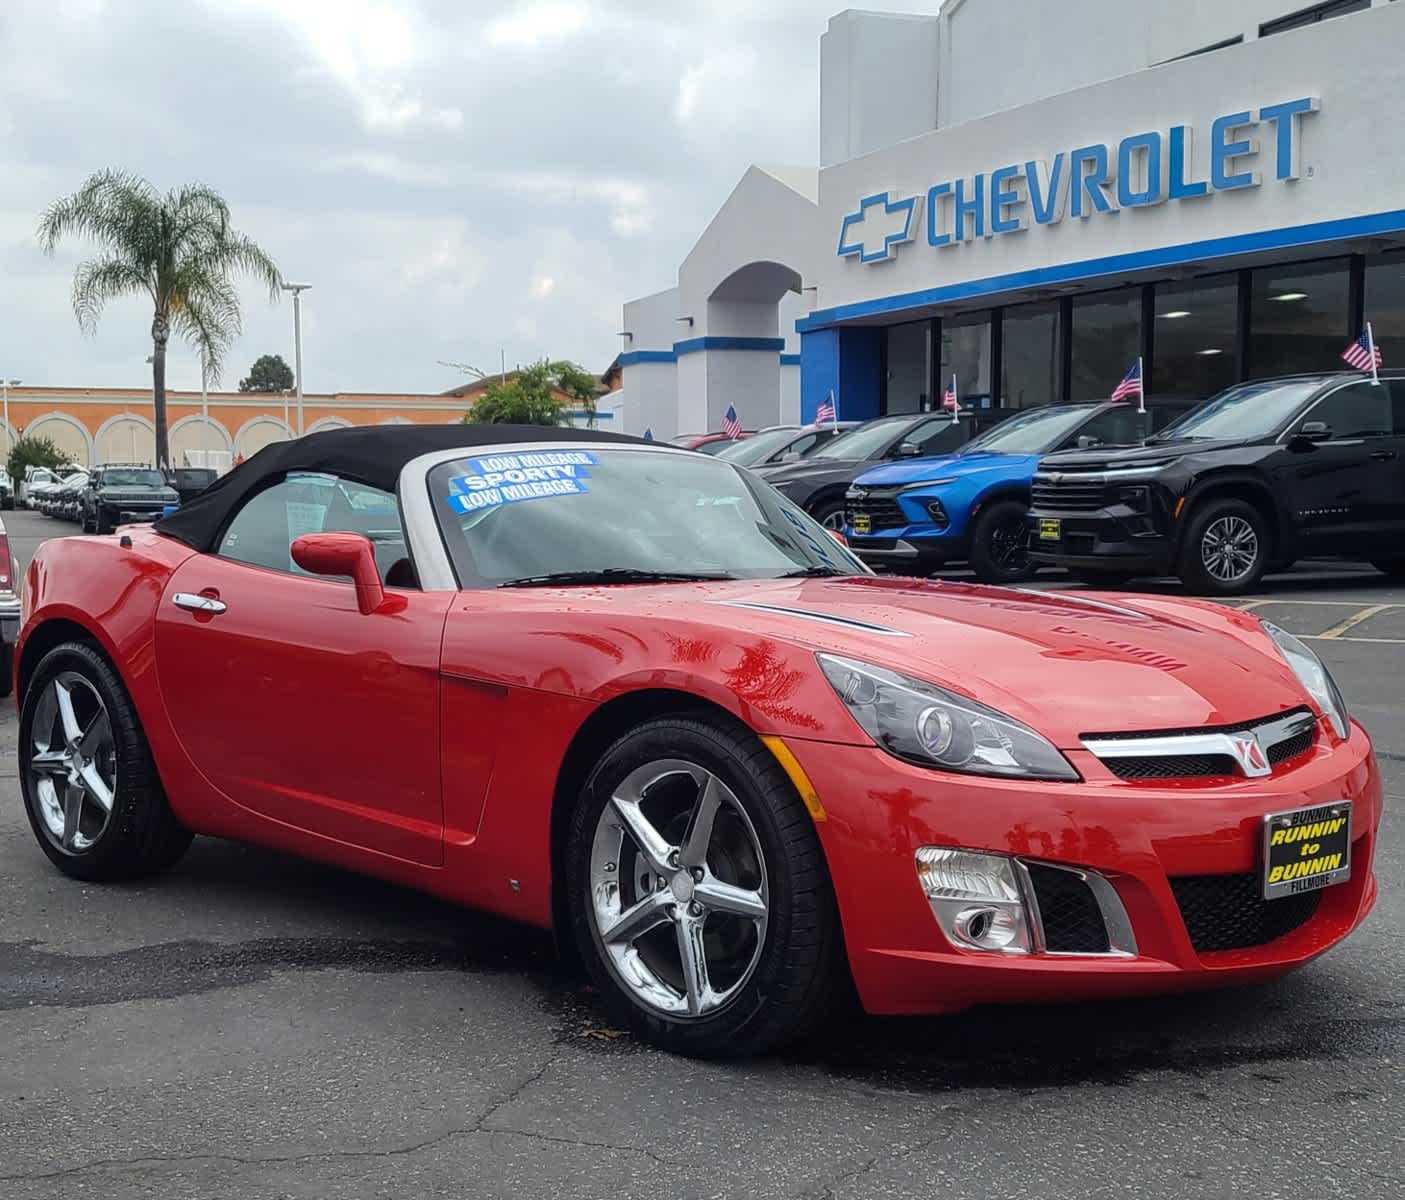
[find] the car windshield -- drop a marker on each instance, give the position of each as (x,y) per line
(533,515)
(1035,432)
(754,449)
(865,441)
(132,477)
(42,477)
(1243,413)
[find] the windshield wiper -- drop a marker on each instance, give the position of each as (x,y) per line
(815,572)
(613,575)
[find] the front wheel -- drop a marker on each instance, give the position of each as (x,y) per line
(89,784)
(699,894)
(102,520)
(830,514)
(1000,543)
(1225,552)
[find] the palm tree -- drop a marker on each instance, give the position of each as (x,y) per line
(178,249)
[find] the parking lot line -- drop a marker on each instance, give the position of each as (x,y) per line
(1354,620)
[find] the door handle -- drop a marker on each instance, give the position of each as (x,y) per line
(1382,455)
(204,604)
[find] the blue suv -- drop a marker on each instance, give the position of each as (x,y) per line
(914,516)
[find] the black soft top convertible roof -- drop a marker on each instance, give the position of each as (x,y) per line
(373,455)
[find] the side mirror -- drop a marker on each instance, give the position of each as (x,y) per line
(1085,441)
(908,450)
(790,456)
(343,554)
(1310,433)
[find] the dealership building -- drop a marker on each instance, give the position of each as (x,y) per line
(1029,197)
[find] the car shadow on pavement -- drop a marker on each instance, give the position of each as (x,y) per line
(292,915)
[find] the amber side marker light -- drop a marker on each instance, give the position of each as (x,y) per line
(791,766)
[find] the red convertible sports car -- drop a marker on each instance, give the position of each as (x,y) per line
(631,693)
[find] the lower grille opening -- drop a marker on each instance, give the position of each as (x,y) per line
(1073,923)
(1229,912)
(1299,743)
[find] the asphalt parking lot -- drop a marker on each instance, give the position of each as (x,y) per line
(252,1026)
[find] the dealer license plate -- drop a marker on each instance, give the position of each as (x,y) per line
(863,523)
(1306,849)
(1049,529)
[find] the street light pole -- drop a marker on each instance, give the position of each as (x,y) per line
(5,386)
(297,289)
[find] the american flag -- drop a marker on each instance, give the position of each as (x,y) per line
(949,398)
(1131,384)
(1363,354)
(649,434)
(825,412)
(730,425)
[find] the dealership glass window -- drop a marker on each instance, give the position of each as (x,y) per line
(1385,304)
(1106,341)
(909,358)
(1029,355)
(1194,348)
(1298,318)
(966,354)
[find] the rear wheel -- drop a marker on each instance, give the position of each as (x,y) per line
(1393,567)
(1000,543)
(89,783)
(1225,552)
(698,891)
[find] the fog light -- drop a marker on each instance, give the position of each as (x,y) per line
(975,898)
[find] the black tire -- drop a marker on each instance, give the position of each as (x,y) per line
(1206,524)
(1000,543)
(141,835)
(826,512)
(102,521)
(84,525)
(1101,579)
(1393,568)
(801,972)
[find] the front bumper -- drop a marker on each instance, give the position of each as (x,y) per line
(1112,539)
(1139,836)
(905,555)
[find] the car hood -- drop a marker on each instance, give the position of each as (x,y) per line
(1064,665)
(919,470)
(1112,457)
(816,471)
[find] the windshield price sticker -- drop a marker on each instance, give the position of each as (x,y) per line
(511,478)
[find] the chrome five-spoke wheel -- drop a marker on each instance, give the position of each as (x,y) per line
(679,889)
(73,764)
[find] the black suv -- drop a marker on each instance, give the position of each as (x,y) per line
(1256,478)
(119,493)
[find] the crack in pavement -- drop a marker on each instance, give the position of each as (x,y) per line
(478,1126)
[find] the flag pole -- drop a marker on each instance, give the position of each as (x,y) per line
(1371,349)
(955,397)
(1141,386)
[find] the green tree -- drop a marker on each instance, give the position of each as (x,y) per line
(178,250)
(268,374)
(32,452)
(532,396)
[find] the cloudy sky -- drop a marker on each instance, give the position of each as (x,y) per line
(452,176)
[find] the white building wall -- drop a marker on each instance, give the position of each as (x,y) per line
(651,387)
(1348,167)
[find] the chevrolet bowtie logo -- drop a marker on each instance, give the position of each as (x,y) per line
(878,226)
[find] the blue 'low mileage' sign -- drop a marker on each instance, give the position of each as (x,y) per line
(510,478)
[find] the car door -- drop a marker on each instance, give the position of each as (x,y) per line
(293,703)
(1342,491)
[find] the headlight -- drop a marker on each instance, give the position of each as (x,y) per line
(1314,676)
(925,724)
